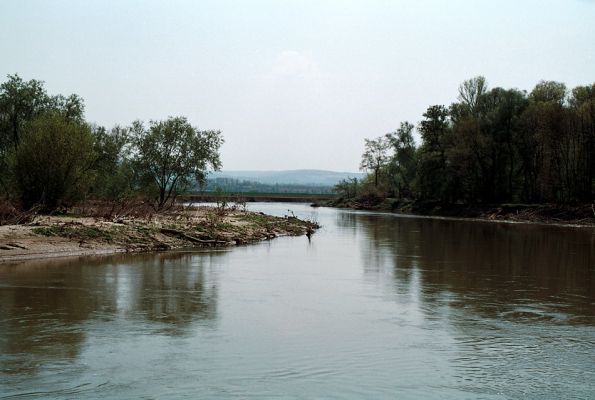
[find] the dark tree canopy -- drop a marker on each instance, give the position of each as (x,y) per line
(21,101)
(53,161)
(495,145)
(403,163)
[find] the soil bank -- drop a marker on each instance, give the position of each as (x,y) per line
(195,227)
(579,214)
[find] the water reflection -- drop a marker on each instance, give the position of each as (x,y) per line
(45,305)
(486,265)
(175,289)
(506,294)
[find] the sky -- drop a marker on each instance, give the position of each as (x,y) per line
(291,84)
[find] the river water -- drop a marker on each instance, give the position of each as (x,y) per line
(373,306)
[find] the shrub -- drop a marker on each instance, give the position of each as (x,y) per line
(52,165)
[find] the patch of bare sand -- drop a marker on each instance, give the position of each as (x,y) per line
(18,242)
(59,236)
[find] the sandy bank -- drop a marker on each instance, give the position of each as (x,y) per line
(57,236)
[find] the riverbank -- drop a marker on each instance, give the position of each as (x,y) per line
(188,227)
(582,214)
(251,197)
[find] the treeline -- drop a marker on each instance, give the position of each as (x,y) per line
(492,146)
(51,157)
(232,185)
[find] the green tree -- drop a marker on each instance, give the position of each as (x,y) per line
(114,177)
(347,188)
(543,124)
(20,103)
(375,156)
(499,129)
(403,164)
(52,164)
(433,176)
(582,106)
(471,92)
(169,154)
(549,92)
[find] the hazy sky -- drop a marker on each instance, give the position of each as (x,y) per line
(292,84)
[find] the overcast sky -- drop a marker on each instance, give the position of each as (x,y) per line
(292,84)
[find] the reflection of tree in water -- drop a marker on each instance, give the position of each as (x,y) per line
(485,265)
(508,298)
(347,219)
(177,290)
(41,307)
(46,306)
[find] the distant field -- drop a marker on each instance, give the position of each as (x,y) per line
(251,197)
(307,177)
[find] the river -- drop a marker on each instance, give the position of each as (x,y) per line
(373,306)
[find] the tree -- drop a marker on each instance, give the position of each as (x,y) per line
(582,104)
(52,165)
(544,129)
(375,156)
(471,92)
(20,103)
(347,188)
(403,164)
(113,171)
(549,92)
(434,129)
(169,154)
(484,145)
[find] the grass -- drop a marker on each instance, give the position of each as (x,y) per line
(75,232)
(292,225)
(255,218)
(214,227)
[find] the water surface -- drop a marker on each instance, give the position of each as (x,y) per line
(374,306)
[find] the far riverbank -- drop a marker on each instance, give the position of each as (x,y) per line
(212,197)
(580,215)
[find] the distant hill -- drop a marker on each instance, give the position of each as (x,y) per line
(311,177)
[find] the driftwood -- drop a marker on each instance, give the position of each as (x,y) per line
(10,215)
(175,232)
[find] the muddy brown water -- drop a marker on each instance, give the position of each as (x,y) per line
(373,306)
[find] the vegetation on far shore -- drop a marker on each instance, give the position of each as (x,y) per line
(234,185)
(491,148)
(494,149)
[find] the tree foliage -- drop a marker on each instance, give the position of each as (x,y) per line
(53,161)
(21,101)
(375,156)
(402,167)
(50,156)
(114,175)
(495,145)
(168,154)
